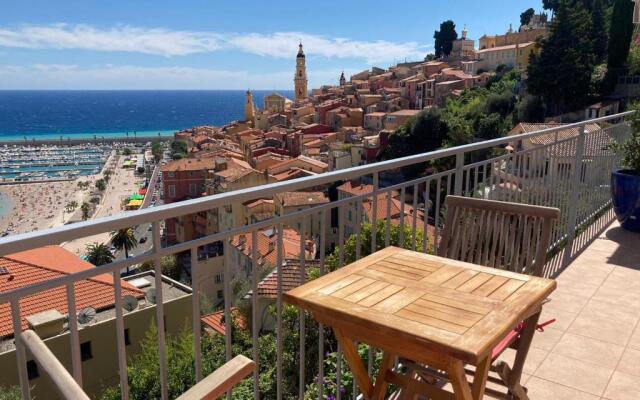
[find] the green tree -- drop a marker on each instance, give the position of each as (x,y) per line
(178,149)
(124,239)
(168,265)
(599,34)
(98,254)
(561,73)
(71,206)
(126,151)
(620,33)
(444,38)
(490,127)
(101,185)
(530,109)
(10,393)
(350,245)
(85,208)
(550,5)
(156,150)
(525,17)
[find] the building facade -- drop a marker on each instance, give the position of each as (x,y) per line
(300,79)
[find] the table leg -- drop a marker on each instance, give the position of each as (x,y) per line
(480,378)
(381,384)
(355,363)
(514,376)
(461,388)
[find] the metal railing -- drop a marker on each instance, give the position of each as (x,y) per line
(547,167)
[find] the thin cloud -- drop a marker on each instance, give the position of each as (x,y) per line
(57,76)
(168,43)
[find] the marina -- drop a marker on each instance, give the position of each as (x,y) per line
(50,162)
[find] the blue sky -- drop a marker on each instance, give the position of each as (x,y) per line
(218,44)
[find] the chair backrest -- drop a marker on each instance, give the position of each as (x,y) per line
(497,234)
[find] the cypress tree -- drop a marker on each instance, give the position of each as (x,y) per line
(599,34)
(620,32)
(561,73)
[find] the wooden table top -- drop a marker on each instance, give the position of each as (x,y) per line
(406,299)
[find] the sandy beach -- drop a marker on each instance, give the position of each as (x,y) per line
(41,205)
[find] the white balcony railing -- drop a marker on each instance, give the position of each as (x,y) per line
(566,167)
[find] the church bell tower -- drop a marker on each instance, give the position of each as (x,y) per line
(300,79)
(249,108)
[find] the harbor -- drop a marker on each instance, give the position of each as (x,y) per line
(21,163)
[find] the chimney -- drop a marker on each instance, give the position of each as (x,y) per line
(46,323)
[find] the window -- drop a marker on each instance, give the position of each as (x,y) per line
(219,278)
(192,189)
(172,174)
(32,370)
(172,191)
(127,340)
(85,351)
(190,173)
(220,294)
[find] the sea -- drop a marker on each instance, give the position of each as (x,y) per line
(90,114)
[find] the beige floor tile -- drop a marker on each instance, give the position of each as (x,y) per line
(587,349)
(623,279)
(548,339)
(630,362)
(623,387)
(623,298)
(534,359)
(543,389)
(580,375)
(634,342)
(563,318)
(583,273)
(566,302)
(601,329)
(602,309)
(575,288)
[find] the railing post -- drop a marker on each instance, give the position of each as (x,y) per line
(576,174)
(457,188)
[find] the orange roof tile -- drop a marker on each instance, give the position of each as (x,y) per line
(216,321)
(46,263)
(291,278)
(188,164)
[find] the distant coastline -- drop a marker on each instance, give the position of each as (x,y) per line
(93,114)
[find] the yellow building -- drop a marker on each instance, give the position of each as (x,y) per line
(249,107)
(48,313)
(514,55)
(300,79)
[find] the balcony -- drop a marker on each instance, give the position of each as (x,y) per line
(582,355)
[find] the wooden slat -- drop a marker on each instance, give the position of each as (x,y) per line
(406,268)
(433,322)
(490,286)
(443,274)
(398,300)
(459,279)
(221,380)
(416,258)
(396,272)
(367,291)
(460,313)
(376,298)
(352,288)
(335,286)
(417,264)
(480,309)
(449,317)
(473,283)
(506,290)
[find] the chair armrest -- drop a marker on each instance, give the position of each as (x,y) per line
(221,380)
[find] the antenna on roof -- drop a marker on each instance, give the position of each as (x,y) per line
(86,315)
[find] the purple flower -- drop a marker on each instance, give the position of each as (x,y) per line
(330,397)
(343,390)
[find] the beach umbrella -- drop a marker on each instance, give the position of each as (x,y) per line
(136,196)
(142,191)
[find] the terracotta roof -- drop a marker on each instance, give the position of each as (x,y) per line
(188,164)
(405,112)
(292,173)
(304,159)
(216,321)
(46,263)
(548,138)
(291,199)
(256,203)
(291,278)
(376,114)
(266,246)
(507,47)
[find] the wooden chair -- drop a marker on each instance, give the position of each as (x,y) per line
(498,234)
(510,236)
(216,384)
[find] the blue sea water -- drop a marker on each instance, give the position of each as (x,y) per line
(83,114)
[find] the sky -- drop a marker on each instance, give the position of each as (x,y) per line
(223,44)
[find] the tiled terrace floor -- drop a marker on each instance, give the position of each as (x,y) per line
(593,350)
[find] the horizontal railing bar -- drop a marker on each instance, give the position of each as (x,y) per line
(64,233)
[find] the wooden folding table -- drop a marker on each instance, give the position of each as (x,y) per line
(431,310)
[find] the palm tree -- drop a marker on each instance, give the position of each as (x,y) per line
(85,207)
(124,239)
(98,254)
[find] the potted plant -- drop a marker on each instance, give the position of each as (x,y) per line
(625,183)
